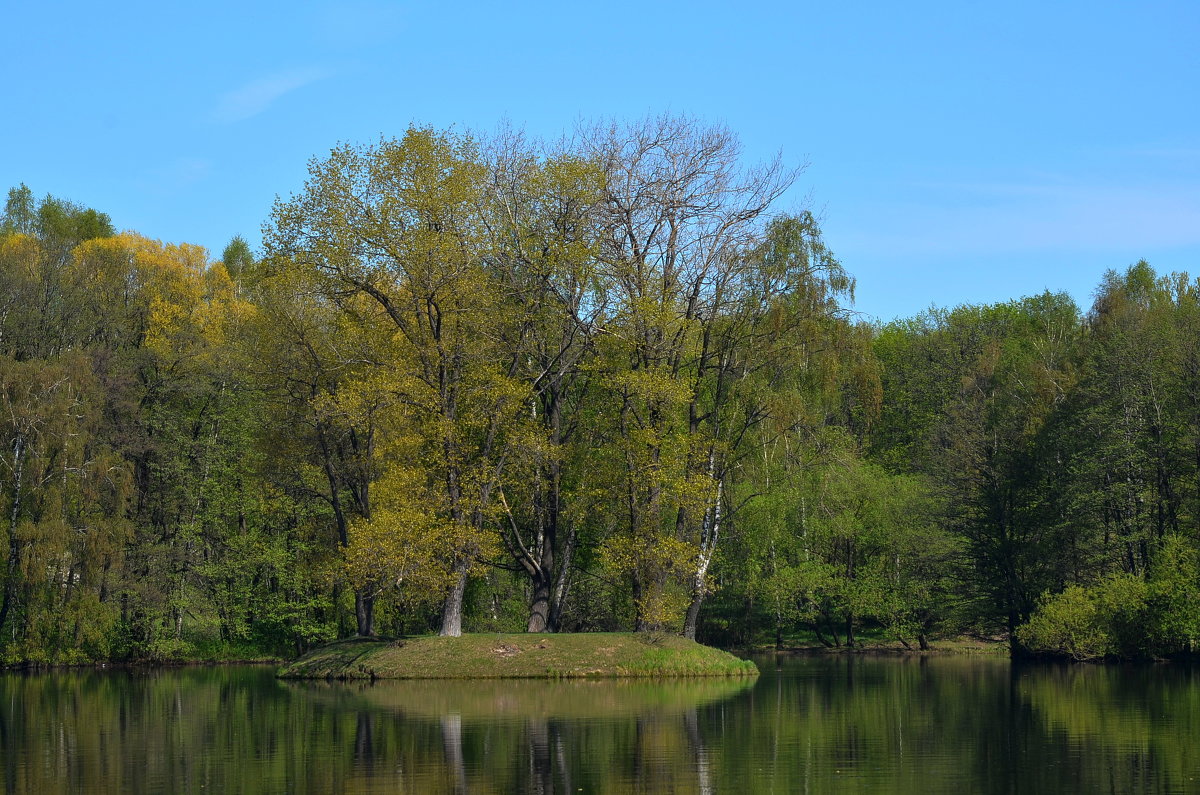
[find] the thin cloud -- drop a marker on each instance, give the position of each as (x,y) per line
(258,95)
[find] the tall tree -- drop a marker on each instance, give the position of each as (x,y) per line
(399,223)
(540,215)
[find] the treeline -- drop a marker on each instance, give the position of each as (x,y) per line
(481,383)
(1066,450)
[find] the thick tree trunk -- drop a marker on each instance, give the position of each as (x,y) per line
(539,611)
(639,619)
(364,611)
(452,608)
(693,616)
(562,583)
(546,579)
(542,575)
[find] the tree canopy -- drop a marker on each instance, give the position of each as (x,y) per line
(479,382)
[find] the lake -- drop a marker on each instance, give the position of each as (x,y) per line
(956,724)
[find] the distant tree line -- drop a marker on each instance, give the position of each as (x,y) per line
(483,383)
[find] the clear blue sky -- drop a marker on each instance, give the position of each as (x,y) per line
(959,151)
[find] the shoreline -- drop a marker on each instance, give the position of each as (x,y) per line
(963,645)
(27,667)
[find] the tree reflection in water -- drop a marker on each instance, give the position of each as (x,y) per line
(849,724)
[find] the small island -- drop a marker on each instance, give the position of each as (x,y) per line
(518,656)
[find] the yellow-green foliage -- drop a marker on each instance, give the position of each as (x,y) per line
(403,543)
(1088,623)
(1069,624)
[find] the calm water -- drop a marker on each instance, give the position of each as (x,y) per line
(927,725)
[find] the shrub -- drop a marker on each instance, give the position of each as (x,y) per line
(1088,623)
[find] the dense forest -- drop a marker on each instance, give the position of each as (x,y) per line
(482,383)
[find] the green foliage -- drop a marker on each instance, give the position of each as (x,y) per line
(237,258)
(1173,598)
(851,544)
(19,212)
(1123,615)
(1088,623)
(606,385)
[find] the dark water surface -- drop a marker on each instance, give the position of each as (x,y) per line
(809,724)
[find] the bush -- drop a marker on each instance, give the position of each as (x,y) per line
(1089,623)
(1066,624)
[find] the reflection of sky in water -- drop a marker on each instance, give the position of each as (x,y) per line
(846,724)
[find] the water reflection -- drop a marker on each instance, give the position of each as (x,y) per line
(545,737)
(841,724)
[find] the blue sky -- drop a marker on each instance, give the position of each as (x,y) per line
(958,152)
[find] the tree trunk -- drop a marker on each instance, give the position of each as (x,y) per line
(539,611)
(452,608)
(543,574)
(562,583)
(693,613)
(710,531)
(821,635)
(364,611)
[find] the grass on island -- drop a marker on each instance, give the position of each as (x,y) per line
(519,656)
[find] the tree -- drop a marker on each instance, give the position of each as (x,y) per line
(66,520)
(399,224)
(679,215)
(543,241)
(237,258)
(972,399)
(19,213)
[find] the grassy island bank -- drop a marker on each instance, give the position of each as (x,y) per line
(517,656)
